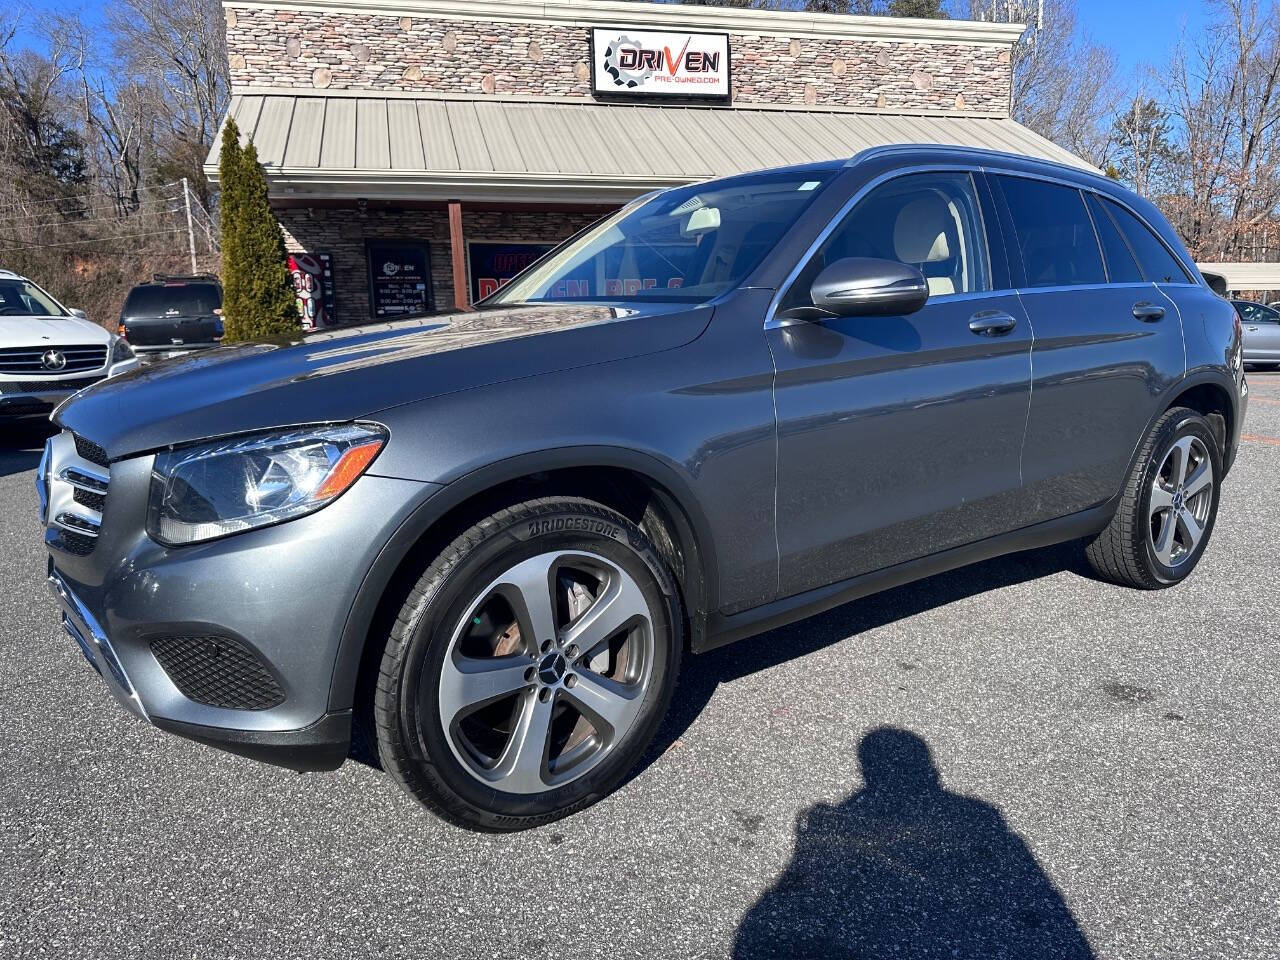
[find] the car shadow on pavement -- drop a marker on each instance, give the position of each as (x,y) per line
(21,446)
(904,867)
(703,673)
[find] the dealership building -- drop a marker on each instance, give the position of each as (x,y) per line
(420,152)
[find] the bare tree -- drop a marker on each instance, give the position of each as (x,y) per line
(178,47)
(1143,152)
(1224,90)
(1064,84)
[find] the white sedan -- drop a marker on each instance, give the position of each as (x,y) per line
(48,352)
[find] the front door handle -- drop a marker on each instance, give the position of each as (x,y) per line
(992,323)
(1147,312)
(1252,329)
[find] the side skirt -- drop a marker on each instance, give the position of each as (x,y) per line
(726,629)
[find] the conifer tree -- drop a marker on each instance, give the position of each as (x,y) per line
(258,298)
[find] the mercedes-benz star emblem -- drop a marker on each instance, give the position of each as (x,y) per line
(53,360)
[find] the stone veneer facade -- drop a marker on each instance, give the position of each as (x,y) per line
(368,51)
(279,45)
(342,234)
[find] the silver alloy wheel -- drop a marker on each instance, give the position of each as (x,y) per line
(546,671)
(1181,498)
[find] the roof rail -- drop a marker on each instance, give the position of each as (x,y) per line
(177,278)
(978,153)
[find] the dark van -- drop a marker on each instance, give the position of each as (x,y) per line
(173,315)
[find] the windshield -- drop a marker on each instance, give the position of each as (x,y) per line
(690,243)
(21,298)
(173,300)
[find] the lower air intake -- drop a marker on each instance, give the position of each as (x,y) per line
(218,672)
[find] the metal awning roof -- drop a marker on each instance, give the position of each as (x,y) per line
(1246,276)
(347,144)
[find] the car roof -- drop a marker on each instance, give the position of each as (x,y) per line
(10,275)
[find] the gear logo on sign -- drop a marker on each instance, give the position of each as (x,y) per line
(623,76)
(390,269)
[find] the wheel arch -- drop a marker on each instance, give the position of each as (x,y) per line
(1209,393)
(638,485)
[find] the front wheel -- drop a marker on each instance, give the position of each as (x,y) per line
(530,666)
(1168,507)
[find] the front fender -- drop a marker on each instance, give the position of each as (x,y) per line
(438,501)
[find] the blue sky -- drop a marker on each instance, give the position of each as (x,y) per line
(1139,31)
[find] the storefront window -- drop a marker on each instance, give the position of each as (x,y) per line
(691,243)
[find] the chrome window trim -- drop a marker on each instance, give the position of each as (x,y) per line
(770,320)
(1074,185)
(992,167)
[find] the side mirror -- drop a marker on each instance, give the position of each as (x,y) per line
(868,287)
(77,312)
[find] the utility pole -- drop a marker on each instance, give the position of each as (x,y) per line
(191,235)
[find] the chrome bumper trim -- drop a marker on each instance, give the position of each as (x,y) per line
(85,630)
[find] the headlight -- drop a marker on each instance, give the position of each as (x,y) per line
(120,350)
(222,487)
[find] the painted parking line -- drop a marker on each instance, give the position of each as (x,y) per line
(1258,438)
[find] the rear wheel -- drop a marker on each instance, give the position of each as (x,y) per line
(530,666)
(1168,507)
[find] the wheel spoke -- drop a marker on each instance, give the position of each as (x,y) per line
(1161,499)
(620,602)
(1164,541)
(471,681)
(1191,529)
(530,593)
(1199,479)
(606,700)
(524,757)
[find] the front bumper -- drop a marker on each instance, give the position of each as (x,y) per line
(277,598)
(20,403)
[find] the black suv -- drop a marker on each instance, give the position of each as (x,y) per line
(487,539)
(173,314)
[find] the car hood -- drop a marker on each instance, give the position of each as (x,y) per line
(344,374)
(49,332)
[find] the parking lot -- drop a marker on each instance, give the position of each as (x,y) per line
(1107,774)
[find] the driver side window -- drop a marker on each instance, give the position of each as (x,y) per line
(931,221)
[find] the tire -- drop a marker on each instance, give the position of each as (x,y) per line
(1163,498)
(470,673)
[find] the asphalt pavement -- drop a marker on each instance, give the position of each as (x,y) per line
(1012,760)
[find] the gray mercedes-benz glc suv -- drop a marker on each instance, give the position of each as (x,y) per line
(488,538)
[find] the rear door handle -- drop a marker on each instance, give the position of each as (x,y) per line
(991,323)
(1147,312)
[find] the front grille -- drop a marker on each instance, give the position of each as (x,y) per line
(46,386)
(77,479)
(76,544)
(94,501)
(91,451)
(75,359)
(218,672)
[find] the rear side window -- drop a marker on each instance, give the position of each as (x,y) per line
(1055,235)
(1157,263)
(173,300)
(1121,267)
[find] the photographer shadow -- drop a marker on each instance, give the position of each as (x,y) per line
(906,868)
